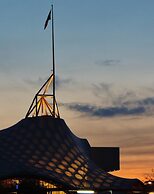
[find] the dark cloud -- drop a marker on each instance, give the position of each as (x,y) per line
(107,93)
(146,102)
(108,62)
(106,112)
(115,103)
(130,108)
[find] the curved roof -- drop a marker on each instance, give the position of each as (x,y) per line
(44,147)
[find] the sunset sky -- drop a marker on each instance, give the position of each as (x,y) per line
(104,70)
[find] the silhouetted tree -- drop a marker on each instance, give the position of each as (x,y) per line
(149,176)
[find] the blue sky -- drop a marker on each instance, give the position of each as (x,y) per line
(104,65)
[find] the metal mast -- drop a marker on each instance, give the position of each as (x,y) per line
(53,59)
(44,103)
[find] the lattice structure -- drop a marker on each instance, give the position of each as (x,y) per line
(44,103)
(40,105)
(45,148)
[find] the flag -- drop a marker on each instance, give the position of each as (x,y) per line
(47,20)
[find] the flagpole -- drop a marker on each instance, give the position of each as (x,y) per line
(53,59)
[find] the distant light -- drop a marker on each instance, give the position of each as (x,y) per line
(85,191)
(17,187)
(149,183)
(151,192)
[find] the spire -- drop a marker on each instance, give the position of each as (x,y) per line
(44,102)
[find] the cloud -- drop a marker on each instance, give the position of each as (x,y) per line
(110,96)
(108,62)
(92,110)
(39,82)
(59,82)
(63,82)
(105,88)
(146,102)
(114,102)
(133,108)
